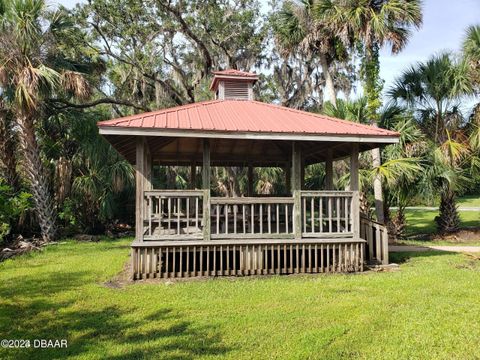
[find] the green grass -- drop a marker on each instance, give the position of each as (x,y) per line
(429,309)
(422,221)
(469,201)
(417,242)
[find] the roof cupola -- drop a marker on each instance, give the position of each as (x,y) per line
(233,84)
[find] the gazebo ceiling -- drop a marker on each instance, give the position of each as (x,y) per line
(229,152)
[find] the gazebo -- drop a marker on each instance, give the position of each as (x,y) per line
(189,232)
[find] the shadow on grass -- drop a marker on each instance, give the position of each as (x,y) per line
(40,307)
(404,256)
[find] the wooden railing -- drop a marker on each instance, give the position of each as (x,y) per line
(173,214)
(251,217)
(193,214)
(327,213)
(376,236)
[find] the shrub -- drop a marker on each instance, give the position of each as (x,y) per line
(12,206)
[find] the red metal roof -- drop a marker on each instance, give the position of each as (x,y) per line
(243,116)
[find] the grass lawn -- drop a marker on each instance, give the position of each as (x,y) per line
(422,221)
(428,309)
(469,201)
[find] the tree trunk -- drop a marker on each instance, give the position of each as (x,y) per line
(7,152)
(33,166)
(396,225)
(330,94)
(377,187)
(448,219)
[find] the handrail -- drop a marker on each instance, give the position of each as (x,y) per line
(326,193)
(251,200)
(173,192)
(364,218)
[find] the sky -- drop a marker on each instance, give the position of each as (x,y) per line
(444,24)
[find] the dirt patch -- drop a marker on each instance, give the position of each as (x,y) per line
(122,279)
(460,237)
(472,263)
(464,236)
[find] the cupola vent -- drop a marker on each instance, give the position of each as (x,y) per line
(233,85)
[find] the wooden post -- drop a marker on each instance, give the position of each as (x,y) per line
(148,168)
(250,180)
(329,170)
(302,174)
(206,165)
(296,188)
(206,189)
(354,186)
(142,179)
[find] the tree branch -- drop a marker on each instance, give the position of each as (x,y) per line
(67,104)
(187,31)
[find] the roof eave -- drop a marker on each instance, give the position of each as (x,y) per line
(360,138)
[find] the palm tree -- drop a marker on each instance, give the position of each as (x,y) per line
(400,165)
(28,34)
(471,54)
(100,176)
(353,110)
(471,51)
(433,90)
(373,24)
(8,158)
(296,30)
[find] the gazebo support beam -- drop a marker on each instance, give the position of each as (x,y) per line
(296,188)
(206,173)
(354,186)
(143,173)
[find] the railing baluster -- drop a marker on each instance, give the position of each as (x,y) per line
(252,224)
(160,212)
(179,209)
(286,219)
(277,214)
(339,210)
(329,214)
(244,219)
(226,219)
(196,213)
(169,212)
(218,218)
(188,216)
(346,220)
(261,218)
(320,213)
(150,214)
(304,215)
(235,210)
(312,215)
(269,207)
